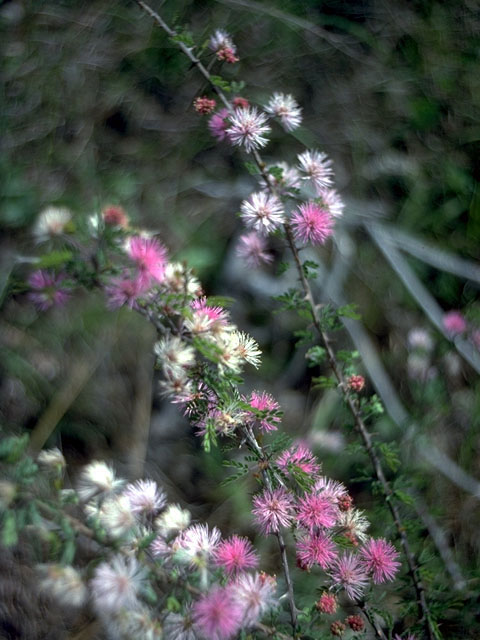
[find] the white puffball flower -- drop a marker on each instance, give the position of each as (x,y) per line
(172,520)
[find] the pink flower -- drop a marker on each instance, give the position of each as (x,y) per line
(227,54)
(263,212)
(125,291)
(299,455)
(47,291)
(327,603)
(265,402)
(235,554)
(273,509)
(217,615)
(317,510)
(255,594)
(145,497)
(312,223)
(316,549)
(317,167)
(248,128)
(252,248)
(115,216)
(219,123)
(454,323)
(348,573)
(204,105)
(216,316)
(380,559)
(150,257)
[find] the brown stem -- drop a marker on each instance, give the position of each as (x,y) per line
(371,619)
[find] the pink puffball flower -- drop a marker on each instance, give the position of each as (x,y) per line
(217,615)
(312,223)
(265,402)
(332,489)
(263,212)
(316,549)
(149,256)
(317,167)
(273,510)
(454,323)
(255,594)
(327,603)
(235,554)
(248,128)
(125,291)
(299,455)
(145,497)
(47,290)
(380,559)
(349,573)
(219,123)
(216,317)
(317,510)
(285,107)
(252,248)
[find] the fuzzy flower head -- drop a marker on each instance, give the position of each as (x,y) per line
(349,574)
(317,510)
(125,291)
(52,459)
(219,123)
(317,167)
(116,516)
(245,347)
(51,222)
(330,200)
(299,455)
(235,554)
(221,40)
(380,559)
(273,510)
(115,585)
(115,216)
(248,128)
(454,323)
(285,107)
(353,524)
(204,105)
(178,627)
(174,353)
(263,212)
(327,603)
(149,256)
(197,544)
(421,339)
(211,318)
(64,584)
(180,279)
(315,549)
(331,489)
(172,520)
(282,177)
(252,248)
(267,403)
(218,615)
(255,595)
(47,290)
(145,497)
(97,478)
(312,223)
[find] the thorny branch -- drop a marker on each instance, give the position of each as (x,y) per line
(349,400)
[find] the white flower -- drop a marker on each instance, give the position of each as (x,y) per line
(97,478)
(197,544)
(317,167)
(246,348)
(332,201)
(256,594)
(419,338)
(285,107)
(116,516)
(178,627)
(221,40)
(291,178)
(330,488)
(115,585)
(145,497)
(355,523)
(248,127)
(174,353)
(51,222)
(52,458)
(263,212)
(172,520)
(179,279)
(64,584)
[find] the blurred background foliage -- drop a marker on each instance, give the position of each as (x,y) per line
(97,109)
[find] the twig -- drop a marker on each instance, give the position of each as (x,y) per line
(371,619)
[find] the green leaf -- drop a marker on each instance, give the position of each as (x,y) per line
(252,168)
(9,529)
(404,497)
(173,604)
(349,311)
(324,382)
(310,269)
(54,259)
(12,448)
(390,455)
(303,336)
(276,172)
(68,553)
(185,37)
(282,268)
(315,356)
(220,82)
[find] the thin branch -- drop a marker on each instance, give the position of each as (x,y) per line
(371,619)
